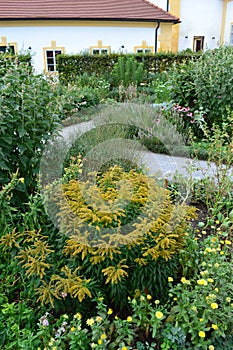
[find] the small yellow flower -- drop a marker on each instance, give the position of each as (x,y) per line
(228,299)
(210,280)
(109,311)
(72,329)
(175,299)
(159,314)
(184,281)
(227,242)
(100,342)
(103,336)
(221,253)
(202,282)
(211,347)
(129,319)
(90,321)
(116,317)
(142,298)
(201,334)
(157,302)
(201,319)
(214,326)
(214,305)
(170,279)
(148,297)
(124,348)
(78,316)
(216,290)
(52,340)
(98,318)
(21,179)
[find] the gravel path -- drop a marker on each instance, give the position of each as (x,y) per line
(167,166)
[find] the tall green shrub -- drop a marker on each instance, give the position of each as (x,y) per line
(28,116)
(205,84)
(127,71)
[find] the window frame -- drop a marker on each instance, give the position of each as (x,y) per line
(4,44)
(101,48)
(197,38)
(52,49)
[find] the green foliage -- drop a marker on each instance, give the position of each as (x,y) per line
(28,116)
(205,84)
(127,71)
(145,256)
(71,66)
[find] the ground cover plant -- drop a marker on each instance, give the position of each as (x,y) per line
(166,284)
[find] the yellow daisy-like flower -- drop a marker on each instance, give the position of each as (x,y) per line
(214,305)
(201,334)
(216,290)
(109,311)
(100,342)
(103,336)
(170,279)
(98,318)
(72,329)
(214,326)
(201,319)
(184,281)
(157,302)
(148,297)
(228,299)
(52,340)
(211,347)
(159,314)
(210,280)
(90,321)
(78,316)
(124,348)
(227,242)
(202,282)
(129,319)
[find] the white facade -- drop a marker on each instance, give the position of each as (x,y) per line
(76,38)
(205,19)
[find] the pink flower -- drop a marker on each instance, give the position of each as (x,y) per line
(190,114)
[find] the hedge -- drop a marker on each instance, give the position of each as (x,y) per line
(70,66)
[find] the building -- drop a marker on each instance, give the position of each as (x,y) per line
(204,23)
(48,28)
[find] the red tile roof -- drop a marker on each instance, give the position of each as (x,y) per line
(129,10)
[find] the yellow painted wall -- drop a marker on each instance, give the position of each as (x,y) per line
(165,37)
(175,10)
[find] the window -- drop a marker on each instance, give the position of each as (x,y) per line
(144,48)
(146,51)
(198,43)
(7,47)
(50,54)
(100,49)
(51,60)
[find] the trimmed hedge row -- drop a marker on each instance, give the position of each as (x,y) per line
(70,66)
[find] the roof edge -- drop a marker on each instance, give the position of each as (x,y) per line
(175,21)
